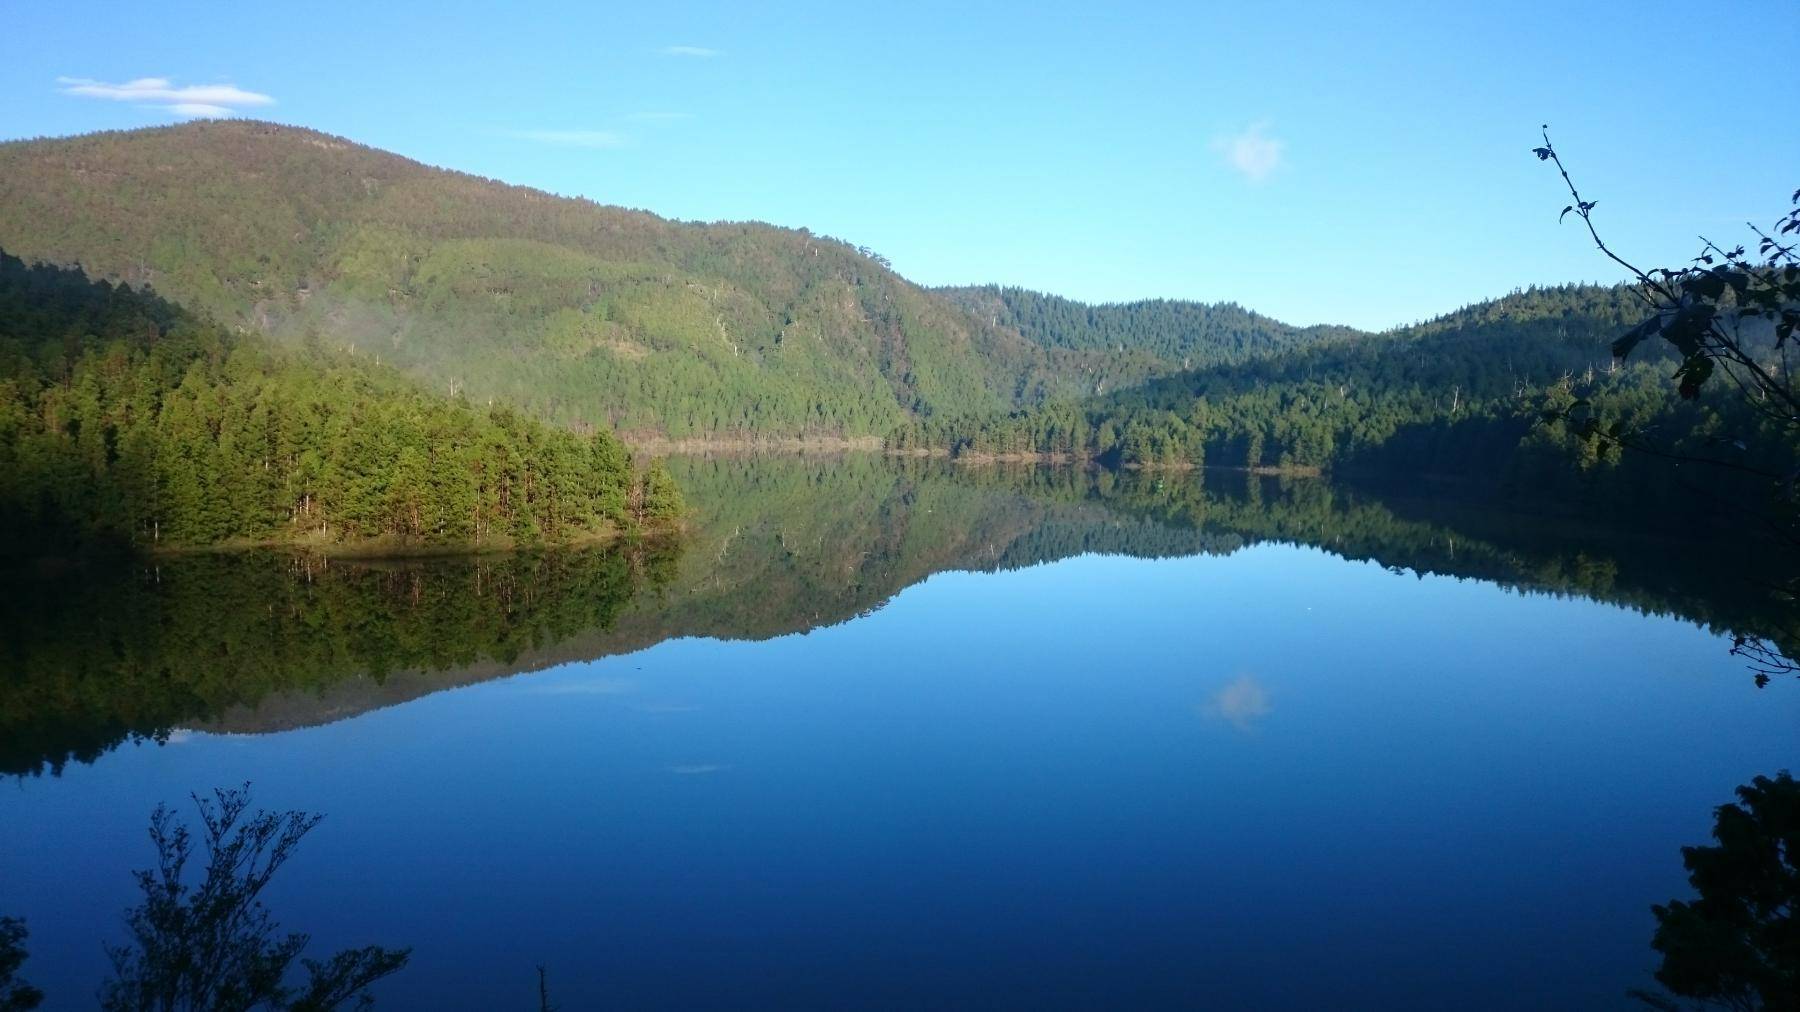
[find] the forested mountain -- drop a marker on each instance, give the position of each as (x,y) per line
(1463,395)
(569,310)
(590,316)
(1161,335)
(125,419)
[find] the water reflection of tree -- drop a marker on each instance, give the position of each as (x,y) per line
(213,945)
(16,994)
(1737,945)
(103,656)
(97,658)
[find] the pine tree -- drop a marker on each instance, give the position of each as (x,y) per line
(662,502)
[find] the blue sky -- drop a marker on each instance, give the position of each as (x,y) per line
(1359,163)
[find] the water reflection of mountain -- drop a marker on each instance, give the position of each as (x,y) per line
(264,642)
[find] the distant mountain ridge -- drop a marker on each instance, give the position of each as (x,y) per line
(1174,335)
(1505,395)
(580,313)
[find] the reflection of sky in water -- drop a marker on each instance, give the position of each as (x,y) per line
(992,791)
(592,686)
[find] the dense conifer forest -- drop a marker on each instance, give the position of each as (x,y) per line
(125,419)
(1480,394)
(1160,336)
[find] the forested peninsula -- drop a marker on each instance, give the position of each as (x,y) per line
(127,421)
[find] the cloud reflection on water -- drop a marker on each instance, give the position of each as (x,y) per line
(1243,703)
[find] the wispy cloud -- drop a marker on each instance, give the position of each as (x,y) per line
(212,100)
(659,117)
(692,52)
(696,769)
(1242,703)
(199,109)
(596,139)
(1253,153)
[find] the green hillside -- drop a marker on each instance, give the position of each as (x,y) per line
(1160,335)
(572,311)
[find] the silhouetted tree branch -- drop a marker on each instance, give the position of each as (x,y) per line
(214,946)
(1700,309)
(1730,313)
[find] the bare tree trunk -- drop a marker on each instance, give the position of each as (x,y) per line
(544,991)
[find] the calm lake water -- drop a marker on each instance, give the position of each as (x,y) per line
(884,735)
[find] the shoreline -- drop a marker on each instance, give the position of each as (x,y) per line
(396,549)
(1065,459)
(696,446)
(372,549)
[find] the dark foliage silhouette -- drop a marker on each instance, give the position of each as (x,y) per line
(213,945)
(16,995)
(1737,946)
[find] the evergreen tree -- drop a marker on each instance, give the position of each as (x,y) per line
(662,502)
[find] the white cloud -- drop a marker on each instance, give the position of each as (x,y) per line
(199,109)
(1242,703)
(596,139)
(659,117)
(1253,153)
(162,93)
(695,52)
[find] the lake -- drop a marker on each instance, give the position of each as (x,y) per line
(898,734)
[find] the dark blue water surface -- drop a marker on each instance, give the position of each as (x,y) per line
(1262,776)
